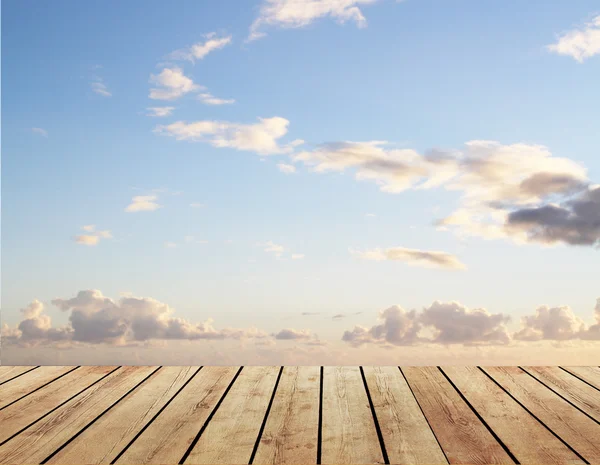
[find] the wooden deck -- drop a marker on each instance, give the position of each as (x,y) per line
(299,415)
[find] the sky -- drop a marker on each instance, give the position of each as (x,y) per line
(300,182)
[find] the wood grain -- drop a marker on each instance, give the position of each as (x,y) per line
(407,436)
(291,432)
(462,436)
(568,386)
(575,428)
(168,437)
(7,373)
(515,427)
(348,430)
(20,414)
(232,433)
(29,382)
(40,440)
(588,374)
(107,437)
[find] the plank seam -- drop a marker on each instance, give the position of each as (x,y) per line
(264,422)
(425,416)
(531,413)
(21,374)
(561,396)
(320,430)
(154,418)
(374,415)
(81,431)
(492,432)
(580,378)
(57,407)
(40,387)
(205,425)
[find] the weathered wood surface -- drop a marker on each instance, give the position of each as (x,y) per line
(299,415)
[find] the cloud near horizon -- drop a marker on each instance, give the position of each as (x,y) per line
(413,257)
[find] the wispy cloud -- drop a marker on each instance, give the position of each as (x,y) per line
(93,237)
(141,203)
(209,99)
(171,84)
(99,87)
(40,131)
(287,14)
(414,257)
(160,111)
(196,205)
(200,50)
(286,168)
(581,43)
(261,138)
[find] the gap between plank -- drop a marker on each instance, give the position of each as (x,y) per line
(530,413)
(506,449)
(262,426)
(98,417)
(57,407)
(320,430)
(377,428)
(561,396)
(15,377)
(154,418)
(426,419)
(42,386)
(214,410)
(579,378)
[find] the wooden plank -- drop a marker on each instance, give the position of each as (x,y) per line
(588,374)
(348,427)
(168,437)
(292,429)
(40,440)
(231,434)
(29,382)
(464,439)
(513,425)
(106,438)
(407,437)
(7,373)
(20,414)
(574,390)
(575,428)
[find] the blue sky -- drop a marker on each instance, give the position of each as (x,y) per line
(78,146)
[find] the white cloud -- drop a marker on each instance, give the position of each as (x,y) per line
(261,137)
(160,111)
(100,88)
(297,256)
(40,131)
(196,205)
(141,203)
(201,49)
(271,247)
(557,323)
(285,168)
(581,44)
(370,215)
(209,99)
(171,84)
(94,237)
(300,13)
(170,245)
(413,257)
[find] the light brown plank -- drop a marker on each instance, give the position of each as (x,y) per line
(588,374)
(7,373)
(292,429)
(348,429)
(232,432)
(168,437)
(575,428)
(515,427)
(106,438)
(407,437)
(462,436)
(568,386)
(40,440)
(20,414)
(29,382)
